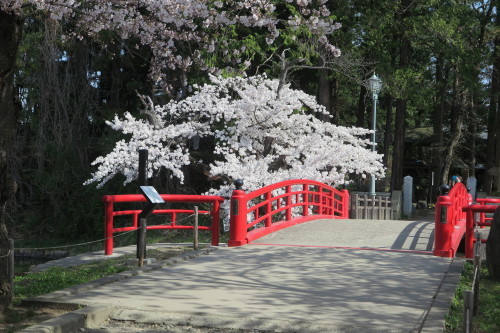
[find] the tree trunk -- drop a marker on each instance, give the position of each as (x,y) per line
(360,114)
(388,132)
(10,36)
(437,123)
(493,247)
(335,111)
(472,142)
(398,156)
(457,120)
(493,120)
(324,92)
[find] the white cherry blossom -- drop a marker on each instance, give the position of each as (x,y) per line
(261,136)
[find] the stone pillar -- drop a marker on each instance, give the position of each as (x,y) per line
(472,184)
(396,203)
(407,195)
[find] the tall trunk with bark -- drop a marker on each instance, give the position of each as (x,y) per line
(492,158)
(398,155)
(457,121)
(324,92)
(472,131)
(360,114)
(10,36)
(437,122)
(335,111)
(388,135)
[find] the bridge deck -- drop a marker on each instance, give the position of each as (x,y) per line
(390,234)
(315,286)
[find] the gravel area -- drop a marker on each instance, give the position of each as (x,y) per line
(116,326)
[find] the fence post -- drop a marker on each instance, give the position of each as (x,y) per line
(141,231)
(365,207)
(354,206)
(11,268)
(477,271)
(387,209)
(373,201)
(468,310)
(195,241)
(442,238)
(238,216)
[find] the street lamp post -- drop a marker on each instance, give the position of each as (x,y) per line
(375,87)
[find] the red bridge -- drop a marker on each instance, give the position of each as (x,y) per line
(278,206)
(457,217)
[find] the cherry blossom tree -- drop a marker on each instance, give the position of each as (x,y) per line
(184,33)
(262,135)
(180,34)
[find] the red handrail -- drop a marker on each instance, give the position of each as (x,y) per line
(470,210)
(450,221)
(110,213)
(277,206)
(486,201)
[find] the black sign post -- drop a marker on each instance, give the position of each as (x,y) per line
(141,231)
(153,199)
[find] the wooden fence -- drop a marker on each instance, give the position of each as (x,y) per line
(471,297)
(370,207)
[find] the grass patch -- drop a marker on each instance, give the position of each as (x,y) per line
(39,283)
(488,318)
(33,284)
(57,278)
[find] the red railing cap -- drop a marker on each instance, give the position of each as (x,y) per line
(166,197)
(480,208)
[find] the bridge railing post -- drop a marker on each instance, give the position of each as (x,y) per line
(305,200)
(269,209)
(108,226)
(345,204)
(469,233)
(443,227)
(238,216)
(215,222)
(288,202)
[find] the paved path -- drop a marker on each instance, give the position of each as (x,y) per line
(321,276)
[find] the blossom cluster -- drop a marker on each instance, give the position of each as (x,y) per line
(261,136)
(170,27)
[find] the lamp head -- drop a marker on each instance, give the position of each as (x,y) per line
(375,84)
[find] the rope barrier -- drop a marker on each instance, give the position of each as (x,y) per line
(75,245)
(91,242)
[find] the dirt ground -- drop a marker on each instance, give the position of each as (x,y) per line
(20,317)
(29,315)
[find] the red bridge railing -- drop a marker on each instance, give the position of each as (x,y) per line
(450,221)
(486,201)
(484,206)
(261,212)
(110,213)
(457,217)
